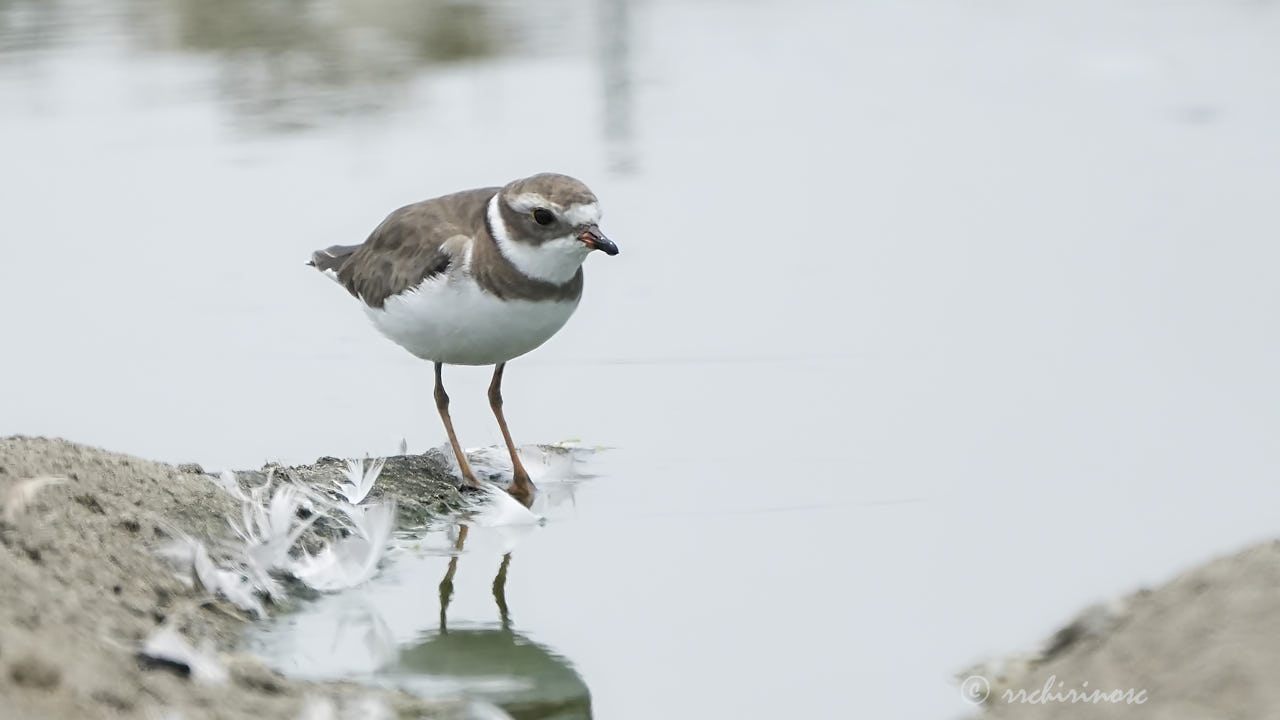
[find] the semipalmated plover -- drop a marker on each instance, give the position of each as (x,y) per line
(476,278)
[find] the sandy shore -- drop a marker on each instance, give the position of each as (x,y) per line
(1201,646)
(84,588)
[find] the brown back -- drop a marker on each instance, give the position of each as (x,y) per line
(410,245)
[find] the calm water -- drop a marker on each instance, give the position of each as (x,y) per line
(932,323)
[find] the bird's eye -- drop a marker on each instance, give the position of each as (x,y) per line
(543,216)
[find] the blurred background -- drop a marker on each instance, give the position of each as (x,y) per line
(933,321)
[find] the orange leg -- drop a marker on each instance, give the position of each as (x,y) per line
(442,404)
(521,486)
(500,591)
(446,585)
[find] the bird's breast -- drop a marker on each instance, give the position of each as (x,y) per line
(450,319)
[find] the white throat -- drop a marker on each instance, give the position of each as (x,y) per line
(555,261)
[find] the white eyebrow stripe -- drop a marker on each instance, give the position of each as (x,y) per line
(526,202)
(582,214)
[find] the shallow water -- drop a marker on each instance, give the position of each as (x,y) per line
(932,322)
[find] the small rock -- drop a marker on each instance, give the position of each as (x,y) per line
(31,671)
(251,674)
(191,469)
(91,503)
(112,700)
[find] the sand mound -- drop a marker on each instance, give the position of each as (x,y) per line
(1203,645)
(83,589)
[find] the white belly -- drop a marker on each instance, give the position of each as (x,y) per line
(450,320)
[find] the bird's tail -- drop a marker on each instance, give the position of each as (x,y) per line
(330,259)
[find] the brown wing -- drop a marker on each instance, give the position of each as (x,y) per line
(412,244)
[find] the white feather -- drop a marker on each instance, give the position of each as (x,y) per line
(502,510)
(24,492)
(360,479)
(167,645)
(193,557)
(271,528)
(232,585)
(544,463)
(504,521)
(228,482)
(445,451)
(352,560)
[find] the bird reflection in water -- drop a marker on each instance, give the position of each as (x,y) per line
(526,679)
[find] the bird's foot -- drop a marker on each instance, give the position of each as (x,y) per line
(522,489)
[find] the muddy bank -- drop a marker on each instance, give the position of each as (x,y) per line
(84,588)
(420,485)
(1204,645)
